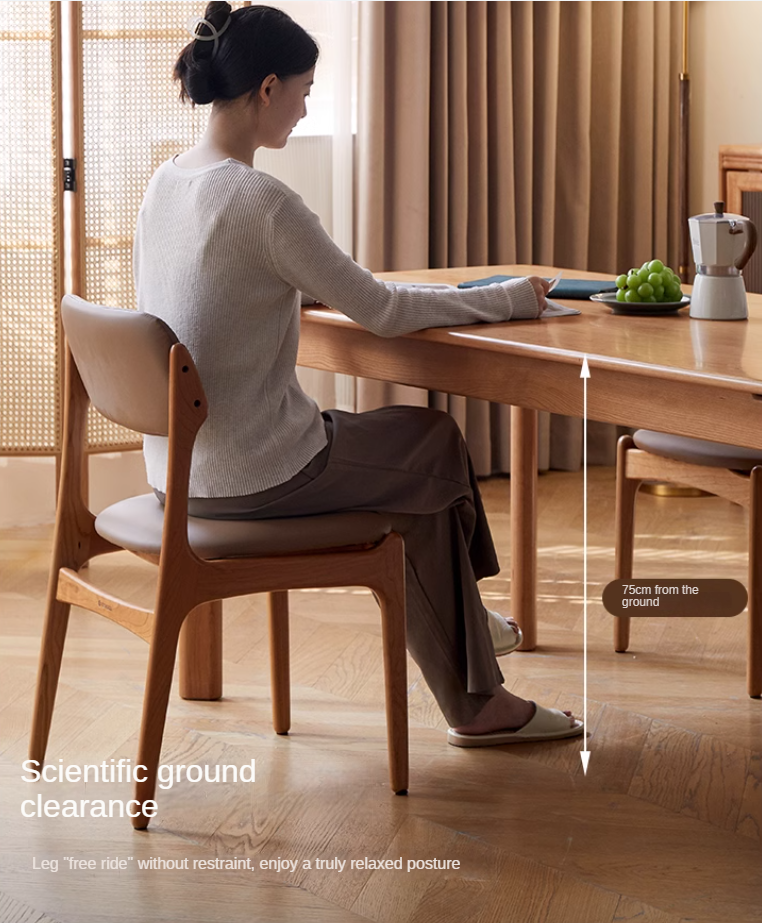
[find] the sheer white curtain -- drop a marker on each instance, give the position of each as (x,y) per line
(317,161)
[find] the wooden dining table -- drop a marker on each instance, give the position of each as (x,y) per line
(670,373)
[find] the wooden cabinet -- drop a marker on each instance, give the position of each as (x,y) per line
(741,190)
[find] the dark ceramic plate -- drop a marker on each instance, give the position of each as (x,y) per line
(640,307)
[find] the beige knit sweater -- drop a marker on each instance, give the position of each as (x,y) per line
(221,254)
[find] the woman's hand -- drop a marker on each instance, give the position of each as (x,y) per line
(540,287)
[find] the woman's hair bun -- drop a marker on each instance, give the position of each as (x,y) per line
(256,41)
(194,68)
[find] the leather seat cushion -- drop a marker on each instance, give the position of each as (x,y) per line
(697,451)
(136,524)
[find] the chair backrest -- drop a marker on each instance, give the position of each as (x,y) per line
(123,359)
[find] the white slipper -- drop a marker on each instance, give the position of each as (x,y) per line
(545,724)
(506,636)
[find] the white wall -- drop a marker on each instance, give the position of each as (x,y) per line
(28,485)
(726,88)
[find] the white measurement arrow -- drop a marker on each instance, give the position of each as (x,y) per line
(585,753)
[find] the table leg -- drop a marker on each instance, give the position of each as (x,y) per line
(524,523)
(201,653)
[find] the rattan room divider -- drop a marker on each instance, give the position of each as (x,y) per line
(31,228)
(103,71)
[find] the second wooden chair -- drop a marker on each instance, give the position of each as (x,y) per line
(727,471)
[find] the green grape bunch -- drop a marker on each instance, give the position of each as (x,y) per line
(653,283)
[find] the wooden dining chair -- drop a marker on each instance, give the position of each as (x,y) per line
(724,470)
(135,372)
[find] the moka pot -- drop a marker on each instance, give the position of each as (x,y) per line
(722,244)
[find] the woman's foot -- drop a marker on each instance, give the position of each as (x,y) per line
(545,724)
(506,712)
(504,631)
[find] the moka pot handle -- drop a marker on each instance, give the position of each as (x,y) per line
(750,231)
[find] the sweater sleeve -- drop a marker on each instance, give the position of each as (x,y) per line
(306,257)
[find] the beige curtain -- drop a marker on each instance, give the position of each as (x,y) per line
(516,133)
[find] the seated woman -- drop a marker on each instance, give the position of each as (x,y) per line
(222,252)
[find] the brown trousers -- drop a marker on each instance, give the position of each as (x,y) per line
(412,464)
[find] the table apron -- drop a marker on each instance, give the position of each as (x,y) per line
(629,398)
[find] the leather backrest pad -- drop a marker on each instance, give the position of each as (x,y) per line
(123,360)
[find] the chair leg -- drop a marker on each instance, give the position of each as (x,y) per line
(51,652)
(391,597)
(201,653)
(280,669)
(161,664)
(754,667)
(624,541)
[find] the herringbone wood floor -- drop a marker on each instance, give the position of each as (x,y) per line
(665,828)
